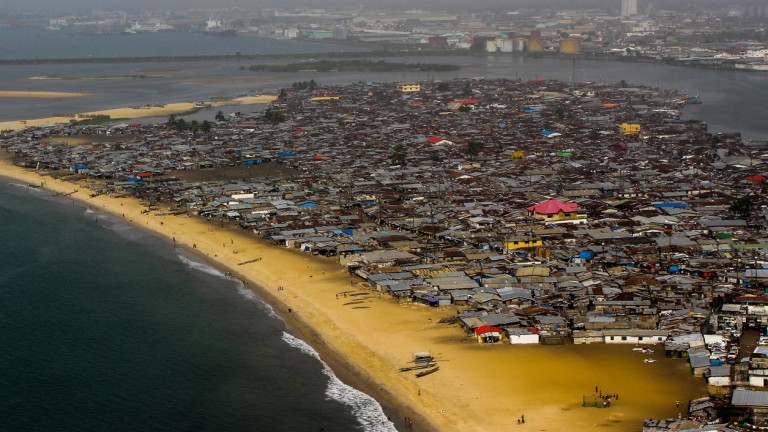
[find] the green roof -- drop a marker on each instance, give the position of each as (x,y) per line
(751,246)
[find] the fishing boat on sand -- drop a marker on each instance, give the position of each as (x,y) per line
(417,367)
(422,357)
(427,372)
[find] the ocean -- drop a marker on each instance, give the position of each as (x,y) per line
(107,327)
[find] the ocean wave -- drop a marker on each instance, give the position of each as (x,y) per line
(25,186)
(245,292)
(241,288)
(266,307)
(205,268)
(368,412)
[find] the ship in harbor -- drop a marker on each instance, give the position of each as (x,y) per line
(218,27)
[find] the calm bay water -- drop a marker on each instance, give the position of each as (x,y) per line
(36,43)
(105,327)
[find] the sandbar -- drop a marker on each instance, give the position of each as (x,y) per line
(478,387)
(40,94)
(136,112)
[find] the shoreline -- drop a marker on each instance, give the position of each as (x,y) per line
(137,112)
(343,369)
(369,342)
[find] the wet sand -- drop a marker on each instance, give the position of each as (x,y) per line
(478,387)
(132,113)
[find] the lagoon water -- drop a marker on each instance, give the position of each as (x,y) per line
(728,96)
(105,327)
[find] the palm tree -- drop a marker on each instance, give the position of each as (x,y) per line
(171,121)
(194,127)
(473,148)
(205,127)
(180,125)
(219,116)
(398,155)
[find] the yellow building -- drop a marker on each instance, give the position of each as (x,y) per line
(517,155)
(629,128)
(408,87)
(519,242)
(535,45)
(570,46)
(325,98)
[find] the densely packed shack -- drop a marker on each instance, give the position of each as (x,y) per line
(546,211)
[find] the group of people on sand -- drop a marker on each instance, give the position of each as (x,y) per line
(521,420)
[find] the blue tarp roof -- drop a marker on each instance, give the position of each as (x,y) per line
(546,132)
(671,204)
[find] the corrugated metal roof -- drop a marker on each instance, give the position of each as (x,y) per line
(742,397)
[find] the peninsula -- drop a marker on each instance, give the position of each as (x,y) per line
(477,220)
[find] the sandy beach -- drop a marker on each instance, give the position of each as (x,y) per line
(132,113)
(478,387)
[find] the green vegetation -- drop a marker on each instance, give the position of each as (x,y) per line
(398,155)
(354,66)
(274,116)
(742,207)
(177,124)
(473,148)
(305,85)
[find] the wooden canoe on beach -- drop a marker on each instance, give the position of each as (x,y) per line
(427,372)
(410,368)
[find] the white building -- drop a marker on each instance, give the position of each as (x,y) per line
(628,8)
(635,336)
(522,336)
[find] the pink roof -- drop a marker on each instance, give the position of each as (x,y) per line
(553,207)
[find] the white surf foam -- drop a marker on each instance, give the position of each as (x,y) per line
(245,292)
(26,186)
(268,309)
(365,408)
(205,268)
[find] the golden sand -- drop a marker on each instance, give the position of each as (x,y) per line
(132,113)
(40,94)
(478,387)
